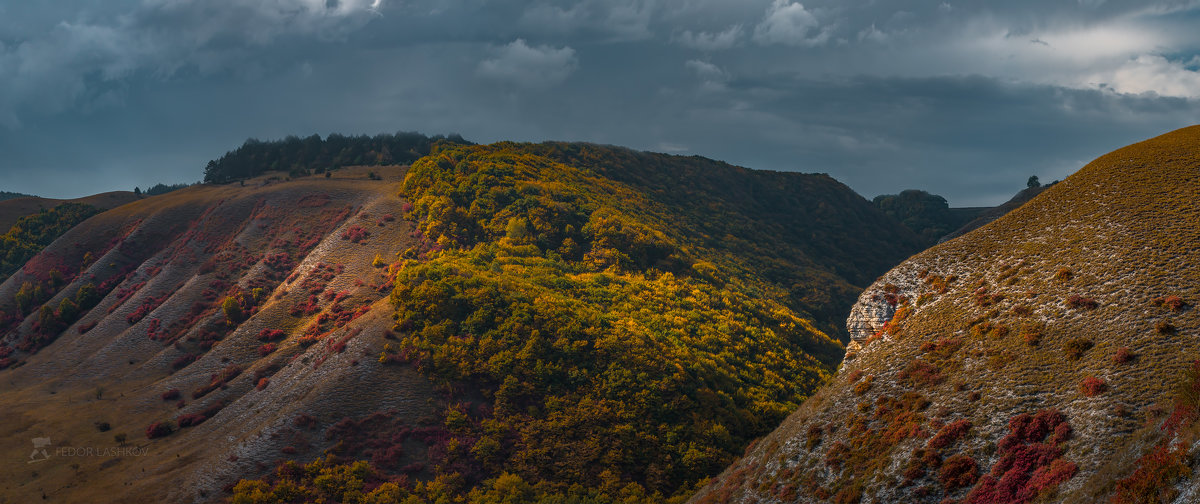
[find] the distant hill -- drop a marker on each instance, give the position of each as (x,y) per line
(983,216)
(31,233)
(927,215)
(573,322)
(13,209)
(313,154)
(5,195)
(1048,356)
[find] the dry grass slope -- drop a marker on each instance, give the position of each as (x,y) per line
(1080,303)
(164,344)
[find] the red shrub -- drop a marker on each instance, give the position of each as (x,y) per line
(183,361)
(922,373)
(949,434)
(83,329)
(1123,356)
(309,307)
(148,305)
(170,395)
(1030,463)
(279,262)
(1076,301)
(1092,386)
(190,420)
(1049,477)
(355,234)
(836,454)
(1157,473)
(262,383)
(1174,303)
(266,349)
(270,334)
(943,348)
(159,429)
(959,471)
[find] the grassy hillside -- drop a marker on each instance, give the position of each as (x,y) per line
(513,321)
(209,332)
(980,217)
(1049,356)
(609,325)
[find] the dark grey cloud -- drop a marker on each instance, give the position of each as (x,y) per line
(963,98)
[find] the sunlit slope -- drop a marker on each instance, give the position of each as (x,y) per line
(233,313)
(1045,357)
(566,320)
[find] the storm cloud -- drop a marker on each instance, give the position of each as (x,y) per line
(965,99)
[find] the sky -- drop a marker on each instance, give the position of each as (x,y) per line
(965,99)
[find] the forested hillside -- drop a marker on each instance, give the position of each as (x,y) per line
(33,232)
(610,324)
(509,322)
(304,156)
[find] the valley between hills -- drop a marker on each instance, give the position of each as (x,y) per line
(424,320)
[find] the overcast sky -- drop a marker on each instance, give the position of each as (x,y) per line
(962,98)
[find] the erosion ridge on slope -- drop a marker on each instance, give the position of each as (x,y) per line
(243,318)
(1045,357)
(571,320)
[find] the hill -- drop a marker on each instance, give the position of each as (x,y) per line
(927,215)
(511,321)
(6,195)
(1049,356)
(305,156)
(13,209)
(982,216)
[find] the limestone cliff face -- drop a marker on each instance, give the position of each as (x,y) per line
(877,305)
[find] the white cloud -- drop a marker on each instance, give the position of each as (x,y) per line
(1151,74)
(712,78)
(613,21)
(705,70)
(872,34)
(1117,56)
(710,41)
(529,66)
(81,61)
(789,23)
